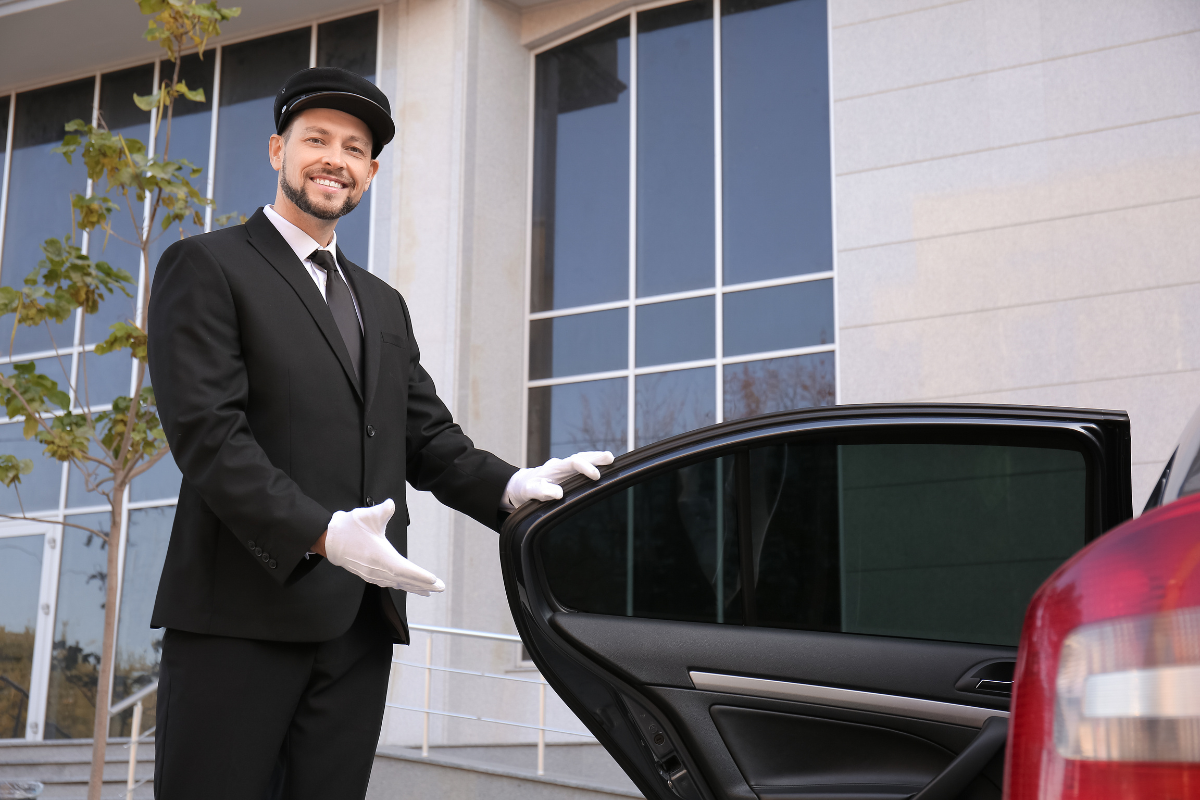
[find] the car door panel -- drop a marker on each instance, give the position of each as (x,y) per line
(813,604)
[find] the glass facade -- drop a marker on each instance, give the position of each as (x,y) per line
(52,576)
(682,242)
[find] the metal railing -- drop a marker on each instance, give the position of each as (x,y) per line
(430,668)
(135,733)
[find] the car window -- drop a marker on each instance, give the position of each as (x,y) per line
(665,548)
(941,535)
(930,540)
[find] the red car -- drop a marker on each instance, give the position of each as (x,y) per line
(1106,702)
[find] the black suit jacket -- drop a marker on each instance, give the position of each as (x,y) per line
(273,434)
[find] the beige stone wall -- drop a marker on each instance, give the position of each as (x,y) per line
(1016,203)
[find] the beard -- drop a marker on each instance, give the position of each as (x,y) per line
(302,202)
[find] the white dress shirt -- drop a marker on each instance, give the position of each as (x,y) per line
(303,245)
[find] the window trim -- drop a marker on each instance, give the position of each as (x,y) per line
(632,301)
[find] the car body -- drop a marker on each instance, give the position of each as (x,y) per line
(815,604)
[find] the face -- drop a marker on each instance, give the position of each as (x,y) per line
(324,162)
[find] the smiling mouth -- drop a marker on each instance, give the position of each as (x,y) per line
(328,183)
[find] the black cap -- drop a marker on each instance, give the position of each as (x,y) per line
(339,89)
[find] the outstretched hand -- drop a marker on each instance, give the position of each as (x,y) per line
(356,542)
(543,483)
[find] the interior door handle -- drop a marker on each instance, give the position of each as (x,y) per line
(950,782)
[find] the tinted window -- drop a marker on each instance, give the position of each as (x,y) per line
(666,548)
(927,540)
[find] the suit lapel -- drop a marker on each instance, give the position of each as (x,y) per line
(274,248)
(370,320)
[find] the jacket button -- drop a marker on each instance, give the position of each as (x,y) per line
(266,557)
(370,431)
(370,502)
(258,551)
(272,563)
(251,543)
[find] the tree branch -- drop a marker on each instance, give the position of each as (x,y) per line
(92,531)
(149,462)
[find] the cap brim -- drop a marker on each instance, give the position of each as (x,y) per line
(383,129)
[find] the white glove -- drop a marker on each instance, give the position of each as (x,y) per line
(542,483)
(356,543)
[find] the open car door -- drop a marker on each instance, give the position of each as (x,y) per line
(814,604)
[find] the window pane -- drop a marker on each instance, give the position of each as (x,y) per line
(20,581)
(139,647)
(581,171)
(575,417)
(251,74)
(107,377)
(39,191)
(78,630)
(122,116)
(350,44)
(669,403)
(664,549)
(682,330)
(160,482)
(579,344)
(775,137)
(778,318)
(929,537)
(779,384)
(676,208)
(37,491)
(191,131)
(78,494)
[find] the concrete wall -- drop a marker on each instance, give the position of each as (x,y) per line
(1016,204)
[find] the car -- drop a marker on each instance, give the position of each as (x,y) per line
(1107,696)
(815,604)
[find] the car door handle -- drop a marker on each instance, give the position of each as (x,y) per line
(950,782)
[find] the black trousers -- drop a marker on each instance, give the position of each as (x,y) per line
(243,718)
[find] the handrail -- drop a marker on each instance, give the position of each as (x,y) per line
(430,669)
(134,699)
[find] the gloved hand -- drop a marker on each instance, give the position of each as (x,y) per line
(356,543)
(542,483)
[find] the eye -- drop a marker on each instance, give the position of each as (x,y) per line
(358,151)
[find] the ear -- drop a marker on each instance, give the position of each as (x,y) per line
(373,173)
(275,151)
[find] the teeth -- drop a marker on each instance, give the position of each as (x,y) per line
(325,182)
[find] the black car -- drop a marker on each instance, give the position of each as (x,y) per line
(815,604)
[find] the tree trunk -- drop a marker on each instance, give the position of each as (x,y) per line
(107,649)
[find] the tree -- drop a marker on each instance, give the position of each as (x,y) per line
(109,447)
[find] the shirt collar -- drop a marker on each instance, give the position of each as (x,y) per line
(301,243)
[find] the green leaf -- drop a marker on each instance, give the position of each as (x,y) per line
(195,95)
(31,426)
(148,102)
(124,336)
(12,468)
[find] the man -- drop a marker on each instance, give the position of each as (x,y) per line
(292,394)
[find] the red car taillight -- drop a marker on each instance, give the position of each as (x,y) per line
(1106,700)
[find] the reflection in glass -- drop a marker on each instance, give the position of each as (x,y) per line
(191,130)
(779,318)
(251,74)
(917,536)
(670,403)
(573,417)
(39,191)
(676,208)
(160,482)
(139,647)
(779,384)
(578,344)
(777,203)
(122,116)
(37,491)
(108,377)
(682,330)
(20,581)
(666,548)
(78,494)
(78,630)
(581,171)
(349,43)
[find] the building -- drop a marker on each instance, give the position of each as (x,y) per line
(616,221)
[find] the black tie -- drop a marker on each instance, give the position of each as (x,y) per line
(337,294)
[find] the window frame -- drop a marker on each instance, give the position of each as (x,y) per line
(720,361)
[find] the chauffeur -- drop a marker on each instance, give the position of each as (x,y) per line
(291,390)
